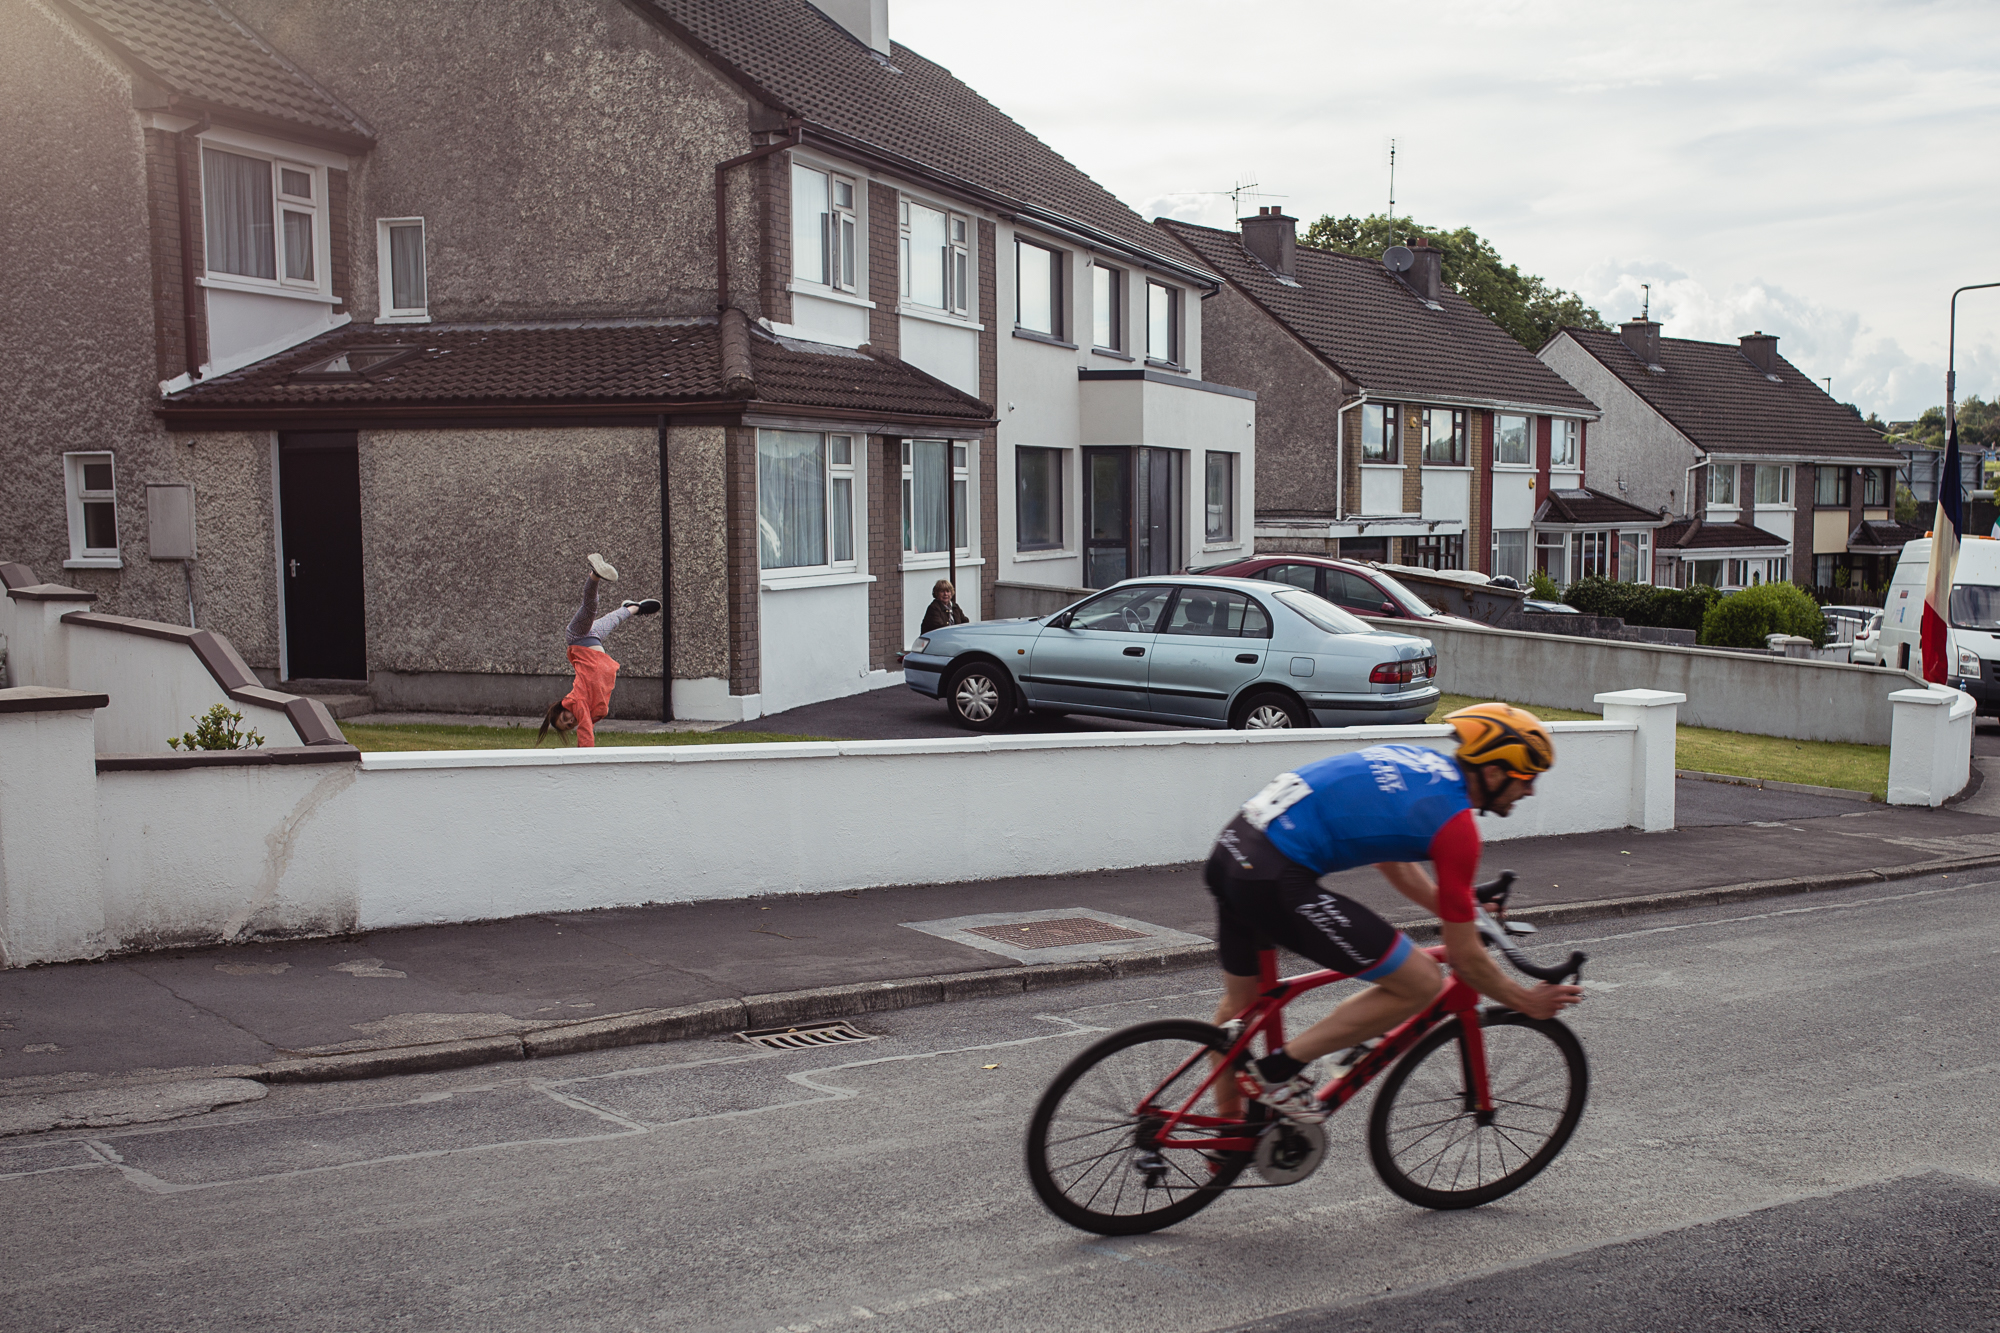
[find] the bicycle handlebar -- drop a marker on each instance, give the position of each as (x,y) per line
(1496,934)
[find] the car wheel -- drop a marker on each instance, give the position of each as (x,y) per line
(1265,710)
(979,696)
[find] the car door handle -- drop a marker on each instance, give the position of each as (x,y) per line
(1247,659)
(1135,652)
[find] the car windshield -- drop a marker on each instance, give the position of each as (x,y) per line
(1975,606)
(1402,593)
(1321,612)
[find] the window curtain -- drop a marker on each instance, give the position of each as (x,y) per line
(406,268)
(930,256)
(927,498)
(791,499)
(236,196)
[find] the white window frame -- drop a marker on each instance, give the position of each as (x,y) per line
(1784,500)
(961,480)
(75,494)
(831,472)
(388,311)
(1527,551)
(1226,536)
(1642,556)
(1058,261)
(1722,478)
(1565,434)
(1107,308)
(955,256)
(843,248)
(1171,296)
(281,203)
(1526,464)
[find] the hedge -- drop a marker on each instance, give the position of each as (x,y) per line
(1743,619)
(1642,604)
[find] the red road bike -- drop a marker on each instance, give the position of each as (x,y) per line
(1129,1137)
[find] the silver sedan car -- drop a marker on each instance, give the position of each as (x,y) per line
(1198,651)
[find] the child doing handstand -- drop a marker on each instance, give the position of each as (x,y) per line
(589,697)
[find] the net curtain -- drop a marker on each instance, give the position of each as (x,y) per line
(236,196)
(791,498)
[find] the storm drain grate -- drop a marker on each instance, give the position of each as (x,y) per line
(805,1038)
(1057,933)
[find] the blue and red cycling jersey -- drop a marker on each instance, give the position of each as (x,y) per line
(1384,803)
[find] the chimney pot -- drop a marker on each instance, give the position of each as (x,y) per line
(1272,237)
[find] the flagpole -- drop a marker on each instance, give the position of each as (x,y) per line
(1947,526)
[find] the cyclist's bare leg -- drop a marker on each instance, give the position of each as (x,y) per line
(1237,995)
(1373,1011)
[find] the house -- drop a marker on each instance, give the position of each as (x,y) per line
(1768,477)
(778,315)
(1395,421)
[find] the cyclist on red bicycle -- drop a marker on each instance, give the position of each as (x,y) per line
(1390,806)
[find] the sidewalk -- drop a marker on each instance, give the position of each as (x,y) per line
(399,1001)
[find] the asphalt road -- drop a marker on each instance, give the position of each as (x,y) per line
(1790,1127)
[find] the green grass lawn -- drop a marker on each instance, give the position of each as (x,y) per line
(438,736)
(1742,755)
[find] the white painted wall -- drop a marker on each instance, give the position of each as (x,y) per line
(1448,496)
(51,877)
(242,325)
(1514,500)
(1930,759)
(828,319)
(158,688)
(948,351)
(813,644)
(1381,489)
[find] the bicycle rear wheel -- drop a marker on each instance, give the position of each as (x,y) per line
(1433,1148)
(1089,1157)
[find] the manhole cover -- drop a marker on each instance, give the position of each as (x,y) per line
(1057,933)
(803,1038)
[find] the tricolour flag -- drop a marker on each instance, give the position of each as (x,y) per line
(1945,527)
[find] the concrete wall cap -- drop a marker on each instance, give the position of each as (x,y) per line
(1931,696)
(42,699)
(1640,698)
(50,592)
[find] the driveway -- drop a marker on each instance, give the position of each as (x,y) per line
(899,713)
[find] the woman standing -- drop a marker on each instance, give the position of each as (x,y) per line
(589,697)
(944,608)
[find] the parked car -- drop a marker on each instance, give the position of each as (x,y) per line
(1200,651)
(1537,606)
(1867,649)
(1844,622)
(1349,584)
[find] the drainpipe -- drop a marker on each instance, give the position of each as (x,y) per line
(190,291)
(721,204)
(1340,453)
(666,582)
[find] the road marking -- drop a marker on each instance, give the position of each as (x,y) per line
(1767,916)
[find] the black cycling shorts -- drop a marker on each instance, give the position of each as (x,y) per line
(1264,899)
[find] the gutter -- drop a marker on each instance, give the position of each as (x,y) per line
(721,204)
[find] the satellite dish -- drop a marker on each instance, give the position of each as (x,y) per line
(1398,259)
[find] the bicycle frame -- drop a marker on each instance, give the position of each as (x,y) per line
(1266,1017)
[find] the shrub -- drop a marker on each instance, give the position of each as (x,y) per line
(1642,604)
(218,729)
(1543,588)
(1744,619)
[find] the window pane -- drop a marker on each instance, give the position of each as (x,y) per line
(843,449)
(298,246)
(924,517)
(927,256)
(1510,555)
(236,198)
(1299,576)
(1210,612)
(407,280)
(100,525)
(809,210)
(961,270)
(1103,310)
(791,499)
(97,476)
(1221,498)
(1133,610)
(847,253)
(1038,507)
(1159,322)
(843,193)
(1511,442)
(958,513)
(1256,622)
(842,518)
(1036,271)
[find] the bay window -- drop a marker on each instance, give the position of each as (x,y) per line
(261,218)
(1513,440)
(805,499)
(924,496)
(1635,557)
(1379,442)
(824,230)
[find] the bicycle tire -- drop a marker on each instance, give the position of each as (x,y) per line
(1540,1081)
(1100,1088)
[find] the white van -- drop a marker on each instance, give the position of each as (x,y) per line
(1974,640)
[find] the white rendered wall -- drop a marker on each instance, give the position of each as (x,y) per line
(813,644)
(51,880)
(1382,489)
(158,687)
(828,320)
(1514,502)
(1448,496)
(241,323)
(947,351)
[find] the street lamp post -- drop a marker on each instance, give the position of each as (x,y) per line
(1951,358)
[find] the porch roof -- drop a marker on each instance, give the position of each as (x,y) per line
(1587,508)
(1692,536)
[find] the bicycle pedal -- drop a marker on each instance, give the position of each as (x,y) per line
(1153,1167)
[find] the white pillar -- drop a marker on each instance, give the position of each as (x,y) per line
(37,640)
(1656,712)
(51,869)
(1930,745)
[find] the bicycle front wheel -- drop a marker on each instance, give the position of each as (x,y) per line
(1092,1155)
(1431,1144)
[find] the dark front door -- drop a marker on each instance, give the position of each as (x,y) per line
(319,501)
(1156,543)
(1107,517)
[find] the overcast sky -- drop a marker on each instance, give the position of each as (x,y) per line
(1827,172)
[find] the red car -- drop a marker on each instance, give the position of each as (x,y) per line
(1361,589)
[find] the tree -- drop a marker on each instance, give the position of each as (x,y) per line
(1529,309)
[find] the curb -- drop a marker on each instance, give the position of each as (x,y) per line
(1767,784)
(785,1008)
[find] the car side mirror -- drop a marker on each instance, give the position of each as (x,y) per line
(1388,608)
(1060,620)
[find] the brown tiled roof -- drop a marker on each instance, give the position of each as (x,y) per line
(1594,508)
(1714,395)
(1689,534)
(1886,534)
(803,62)
(1373,326)
(205,55)
(581,362)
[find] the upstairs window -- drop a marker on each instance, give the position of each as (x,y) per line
(1163,323)
(1107,308)
(823,228)
(92,495)
(1722,484)
(399,248)
(1038,288)
(1774,485)
(1444,437)
(936,248)
(261,218)
(1378,434)
(1830,486)
(1874,486)
(1513,440)
(1563,440)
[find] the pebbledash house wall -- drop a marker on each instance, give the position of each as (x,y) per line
(1297,402)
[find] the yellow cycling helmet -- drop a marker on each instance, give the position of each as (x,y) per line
(1503,734)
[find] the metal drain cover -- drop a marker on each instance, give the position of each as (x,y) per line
(804,1038)
(1056,934)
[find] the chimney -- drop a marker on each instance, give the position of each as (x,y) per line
(1643,337)
(867,21)
(1427,273)
(1272,237)
(1762,349)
